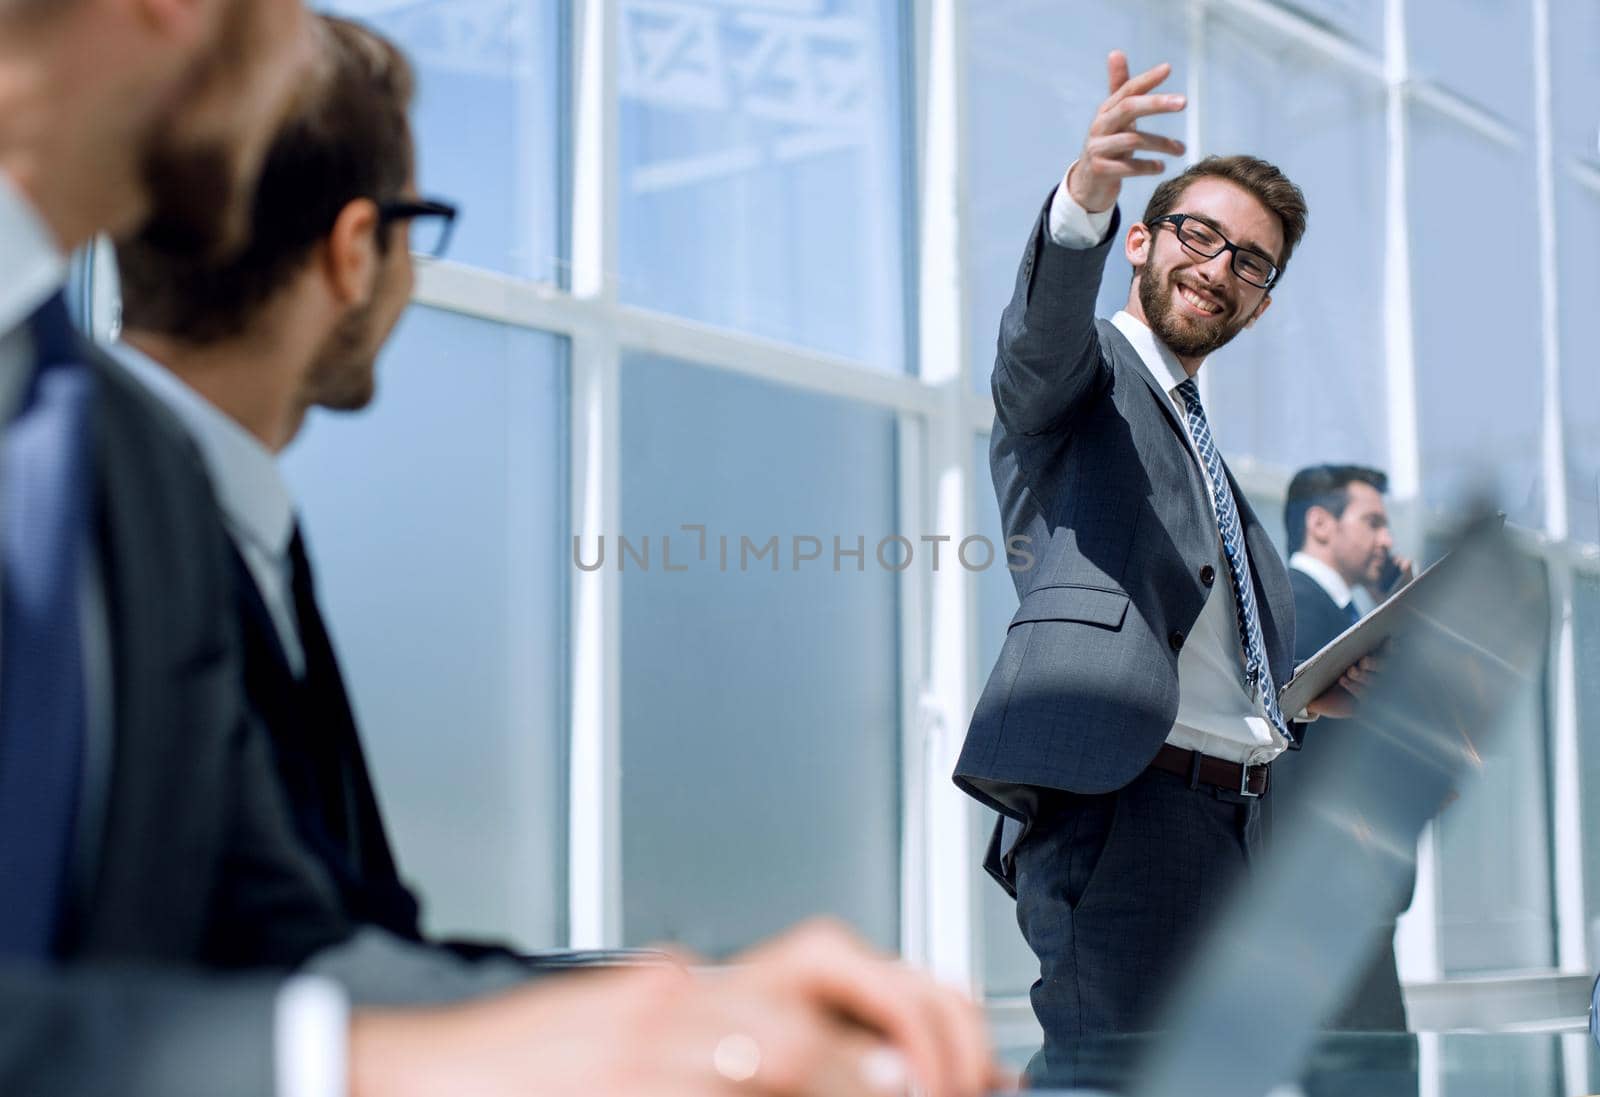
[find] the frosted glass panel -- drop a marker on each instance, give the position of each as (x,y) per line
(1481,49)
(435,521)
(1495,906)
(760,697)
(763,169)
(1316,358)
(1479,387)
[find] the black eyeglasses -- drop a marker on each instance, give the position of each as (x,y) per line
(431,223)
(1206,242)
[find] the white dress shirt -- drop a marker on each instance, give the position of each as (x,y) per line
(1326,578)
(255,502)
(1218,713)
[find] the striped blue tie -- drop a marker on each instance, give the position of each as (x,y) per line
(45,495)
(1257,673)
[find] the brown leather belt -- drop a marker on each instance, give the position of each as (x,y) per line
(1202,769)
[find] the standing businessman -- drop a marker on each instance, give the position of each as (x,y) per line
(1339,539)
(1126,730)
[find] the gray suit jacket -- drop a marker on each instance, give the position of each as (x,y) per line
(1090,464)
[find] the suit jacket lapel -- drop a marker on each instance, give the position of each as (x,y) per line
(1274,595)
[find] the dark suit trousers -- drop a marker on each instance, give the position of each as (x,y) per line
(1114,892)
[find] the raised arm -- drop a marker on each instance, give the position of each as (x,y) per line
(1048,360)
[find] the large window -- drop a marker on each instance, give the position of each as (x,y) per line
(723,330)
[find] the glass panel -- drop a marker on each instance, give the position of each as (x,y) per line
(1475,291)
(435,520)
(763,170)
(1009,966)
(1321,344)
(760,699)
(1586,643)
(1035,80)
(1358,20)
(1495,906)
(1575,77)
(499,64)
(1480,49)
(1577,228)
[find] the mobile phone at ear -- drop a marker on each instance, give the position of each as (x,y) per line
(1389,576)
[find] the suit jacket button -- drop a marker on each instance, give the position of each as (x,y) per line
(1208,575)
(1176,639)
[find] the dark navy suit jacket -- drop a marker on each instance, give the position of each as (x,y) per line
(1090,464)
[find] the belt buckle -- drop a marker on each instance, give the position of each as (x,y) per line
(1244,782)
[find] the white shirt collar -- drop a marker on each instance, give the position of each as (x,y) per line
(250,489)
(1156,355)
(1328,579)
(31,265)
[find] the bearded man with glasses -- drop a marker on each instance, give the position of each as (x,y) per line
(1126,732)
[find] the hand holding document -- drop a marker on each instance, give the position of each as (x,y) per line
(1348,663)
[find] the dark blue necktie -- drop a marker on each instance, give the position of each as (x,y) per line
(45,480)
(1351,614)
(1257,673)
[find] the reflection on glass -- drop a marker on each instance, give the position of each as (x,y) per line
(760,696)
(1036,78)
(1495,908)
(1307,384)
(763,169)
(1478,364)
(487,118)
(434,522)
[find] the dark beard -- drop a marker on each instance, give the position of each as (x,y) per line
(345,374)
(1192,340)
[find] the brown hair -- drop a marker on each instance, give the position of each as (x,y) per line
(1265,182)
(346,138)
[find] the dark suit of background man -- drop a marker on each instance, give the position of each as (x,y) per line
(1125,731)
(146,856)
(1339,539)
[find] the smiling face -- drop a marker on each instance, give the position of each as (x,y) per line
(1196,305)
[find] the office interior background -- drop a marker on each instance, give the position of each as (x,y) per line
(733,269)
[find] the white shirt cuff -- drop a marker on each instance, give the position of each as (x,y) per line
(311,1038)
(1072,226)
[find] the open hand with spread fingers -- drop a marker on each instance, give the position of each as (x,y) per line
(1110,152)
